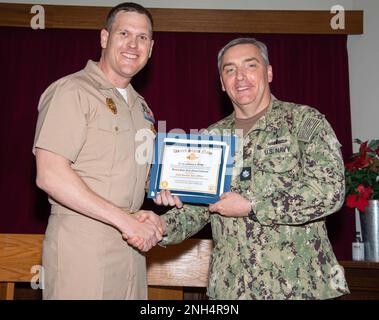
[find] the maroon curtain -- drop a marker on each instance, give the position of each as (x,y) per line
(181,85)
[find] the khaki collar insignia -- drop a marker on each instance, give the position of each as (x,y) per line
(111,105)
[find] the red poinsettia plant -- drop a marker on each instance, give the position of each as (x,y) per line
(362,175)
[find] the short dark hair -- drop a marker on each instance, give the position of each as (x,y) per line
(260,45)
(128,7)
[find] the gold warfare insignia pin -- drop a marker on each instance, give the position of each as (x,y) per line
(111,105)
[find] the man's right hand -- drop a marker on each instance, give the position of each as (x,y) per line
(144,216)
(142,235)
(151,217)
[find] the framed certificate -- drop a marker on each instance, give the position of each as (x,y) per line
(195,167)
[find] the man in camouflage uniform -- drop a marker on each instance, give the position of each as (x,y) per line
(269,230)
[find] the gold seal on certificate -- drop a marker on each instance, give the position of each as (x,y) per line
(164,184)
(192,166)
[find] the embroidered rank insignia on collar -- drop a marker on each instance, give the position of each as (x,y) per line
(308,128)
(245,174)
(111,105)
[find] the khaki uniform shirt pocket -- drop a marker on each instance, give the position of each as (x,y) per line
(113,139)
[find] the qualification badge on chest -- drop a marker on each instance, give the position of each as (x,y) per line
(111,105)
(149,116)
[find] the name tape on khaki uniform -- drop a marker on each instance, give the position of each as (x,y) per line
(308,128)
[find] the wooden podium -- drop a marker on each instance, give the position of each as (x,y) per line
(363,280)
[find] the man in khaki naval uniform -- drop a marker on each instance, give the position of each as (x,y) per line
(269,231)
(85,149)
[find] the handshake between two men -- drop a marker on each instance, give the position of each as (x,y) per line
(152,228)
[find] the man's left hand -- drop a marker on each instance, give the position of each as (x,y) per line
(231,204)
(165,198)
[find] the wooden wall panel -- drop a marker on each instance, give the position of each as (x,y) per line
(190,20)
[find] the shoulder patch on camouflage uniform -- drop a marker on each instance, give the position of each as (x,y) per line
(308,128)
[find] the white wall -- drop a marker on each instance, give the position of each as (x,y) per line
(364,74)
(363,49)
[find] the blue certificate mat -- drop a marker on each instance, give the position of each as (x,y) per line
(197,168)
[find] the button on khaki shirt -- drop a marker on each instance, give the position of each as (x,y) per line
(83,118)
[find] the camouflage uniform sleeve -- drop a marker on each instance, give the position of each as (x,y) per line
(321,187)
(184,223)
